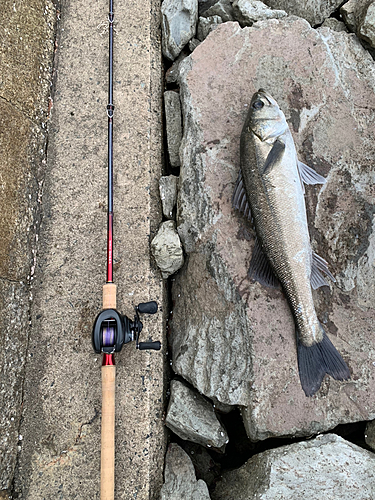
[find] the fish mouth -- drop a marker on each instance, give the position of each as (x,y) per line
(267,96)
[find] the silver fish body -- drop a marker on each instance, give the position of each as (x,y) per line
(270,181)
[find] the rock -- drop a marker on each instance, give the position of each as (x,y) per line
(222,8)
(167,250)
(314,11)
(180,481)
(206,25)
(248,12)
(193,418)
(233,339)
(352,12)
(334,24)
(172,108)
(173,72)
(179,19)
(370,434)
(367,26)
(168,194)
(193,44)
(203,5)
(325,467)
(205,467)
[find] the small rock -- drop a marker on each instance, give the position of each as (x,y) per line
(370,434)
(203,5)
(366,29)
(206,25)
(350,12)
(193,418)
(222,8)
(248,12)
(193,44)
(167,250)
(179,19)
(205,467)
(172,107)
(173,73)
(179,476)
(326,467)
(314,11)
(168,194)
(334,24)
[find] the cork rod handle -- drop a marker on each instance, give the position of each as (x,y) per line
(107,482)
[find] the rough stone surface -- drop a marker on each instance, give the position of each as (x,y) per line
(172,108)
(205,467)
(180,481)
(179,19)
(352,13)
(167,250)
(27,31)
(59,456)
(325,467)
(334,24)
(206,25)
(222,8)
(367,26)
(172,74)
(314,11)
(370,434)
(233,339)
(193,418)
(248,12)
(168,194)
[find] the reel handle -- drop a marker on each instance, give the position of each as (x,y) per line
(156,346)
(147,307)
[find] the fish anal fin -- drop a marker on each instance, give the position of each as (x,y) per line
(260,268)
(239,198)
(315,361)
(274,156)
(308,175)
(319,266)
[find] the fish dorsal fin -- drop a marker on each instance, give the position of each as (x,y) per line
(239,198)
(274,156)
(309,175)
(260,268)
(319,265)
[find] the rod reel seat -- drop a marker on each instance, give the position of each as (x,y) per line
(112,330)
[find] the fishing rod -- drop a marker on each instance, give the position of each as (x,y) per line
(111,329)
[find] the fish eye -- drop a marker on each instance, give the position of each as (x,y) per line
(258,104)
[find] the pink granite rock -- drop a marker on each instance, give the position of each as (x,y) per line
(234,339)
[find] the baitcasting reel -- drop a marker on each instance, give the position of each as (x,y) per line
(112,330)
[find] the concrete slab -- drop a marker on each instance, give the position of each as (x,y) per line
(60,450)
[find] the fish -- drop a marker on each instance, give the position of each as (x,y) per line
(269,191)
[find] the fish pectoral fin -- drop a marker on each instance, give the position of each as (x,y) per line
(274,156)
(319,265)
(308,175)
(260,268)
(239,198)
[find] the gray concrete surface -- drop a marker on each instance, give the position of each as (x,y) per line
(58,440)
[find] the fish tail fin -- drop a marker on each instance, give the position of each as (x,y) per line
(316,361)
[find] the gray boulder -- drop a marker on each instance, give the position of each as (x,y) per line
(193,418)
(359,16)
(367,25)
(167,250)
(179,476)
(326,467)
(222,8)
(314,11)
(248,12)
(234,339)
(172,108)
(179,19)
(334,24)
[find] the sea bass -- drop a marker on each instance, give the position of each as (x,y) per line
(270,191)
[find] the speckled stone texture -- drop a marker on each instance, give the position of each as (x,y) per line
(326,467)
(233,339)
